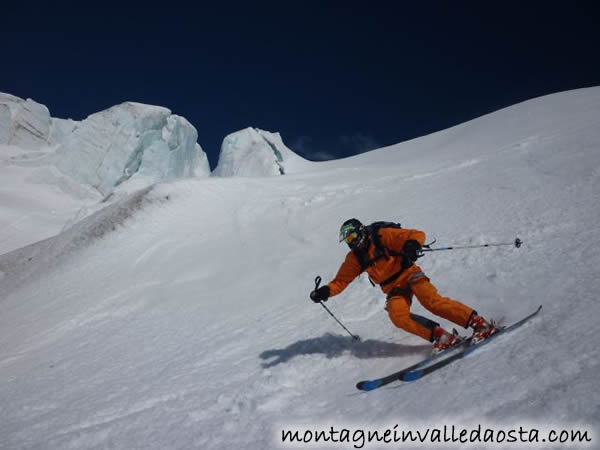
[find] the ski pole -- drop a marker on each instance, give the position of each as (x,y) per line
(517,243)
(317,283)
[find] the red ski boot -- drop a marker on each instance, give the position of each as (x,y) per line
(482,328)
(443,340)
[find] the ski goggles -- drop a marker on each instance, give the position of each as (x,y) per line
(351,238)
(350,234)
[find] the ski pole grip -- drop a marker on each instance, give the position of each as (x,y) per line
(317,282)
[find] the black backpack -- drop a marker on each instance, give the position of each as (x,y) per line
(380,250)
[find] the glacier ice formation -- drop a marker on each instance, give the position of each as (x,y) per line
(252,152)
(130,141)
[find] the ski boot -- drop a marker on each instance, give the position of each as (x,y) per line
(482,329)
(443,340)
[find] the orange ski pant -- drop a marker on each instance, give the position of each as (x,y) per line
(400,299)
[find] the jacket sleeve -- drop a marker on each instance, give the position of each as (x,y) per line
(349,270)
(417,235)
(395,239)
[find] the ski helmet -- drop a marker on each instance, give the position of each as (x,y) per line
(353,232)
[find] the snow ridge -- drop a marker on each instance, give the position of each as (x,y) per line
(23,264)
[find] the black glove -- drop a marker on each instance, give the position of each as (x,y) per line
(320,295)
(412,250)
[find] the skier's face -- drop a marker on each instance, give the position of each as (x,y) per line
(352,238)
(358,242)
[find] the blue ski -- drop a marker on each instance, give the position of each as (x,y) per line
(369,385)
(422,368)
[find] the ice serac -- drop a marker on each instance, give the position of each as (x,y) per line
(131,141)
(24,123)
(252,152)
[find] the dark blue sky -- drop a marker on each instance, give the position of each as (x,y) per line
(335,78)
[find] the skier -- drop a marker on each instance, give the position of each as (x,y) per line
(387,253)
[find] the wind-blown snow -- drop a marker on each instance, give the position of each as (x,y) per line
(179,318)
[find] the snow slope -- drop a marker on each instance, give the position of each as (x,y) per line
(36,201)
(179,318)
(55,171)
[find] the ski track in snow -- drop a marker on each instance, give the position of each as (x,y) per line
(186,322)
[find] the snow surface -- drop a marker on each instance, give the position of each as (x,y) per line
(178,317)
(36,201)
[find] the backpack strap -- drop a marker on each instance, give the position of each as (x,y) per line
(380,251)
(406,263)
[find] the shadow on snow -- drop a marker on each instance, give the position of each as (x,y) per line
(333,346)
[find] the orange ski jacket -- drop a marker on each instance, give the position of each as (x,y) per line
(393,240)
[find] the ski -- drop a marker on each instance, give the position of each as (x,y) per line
(420,372)
(369,385)
(422,368)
